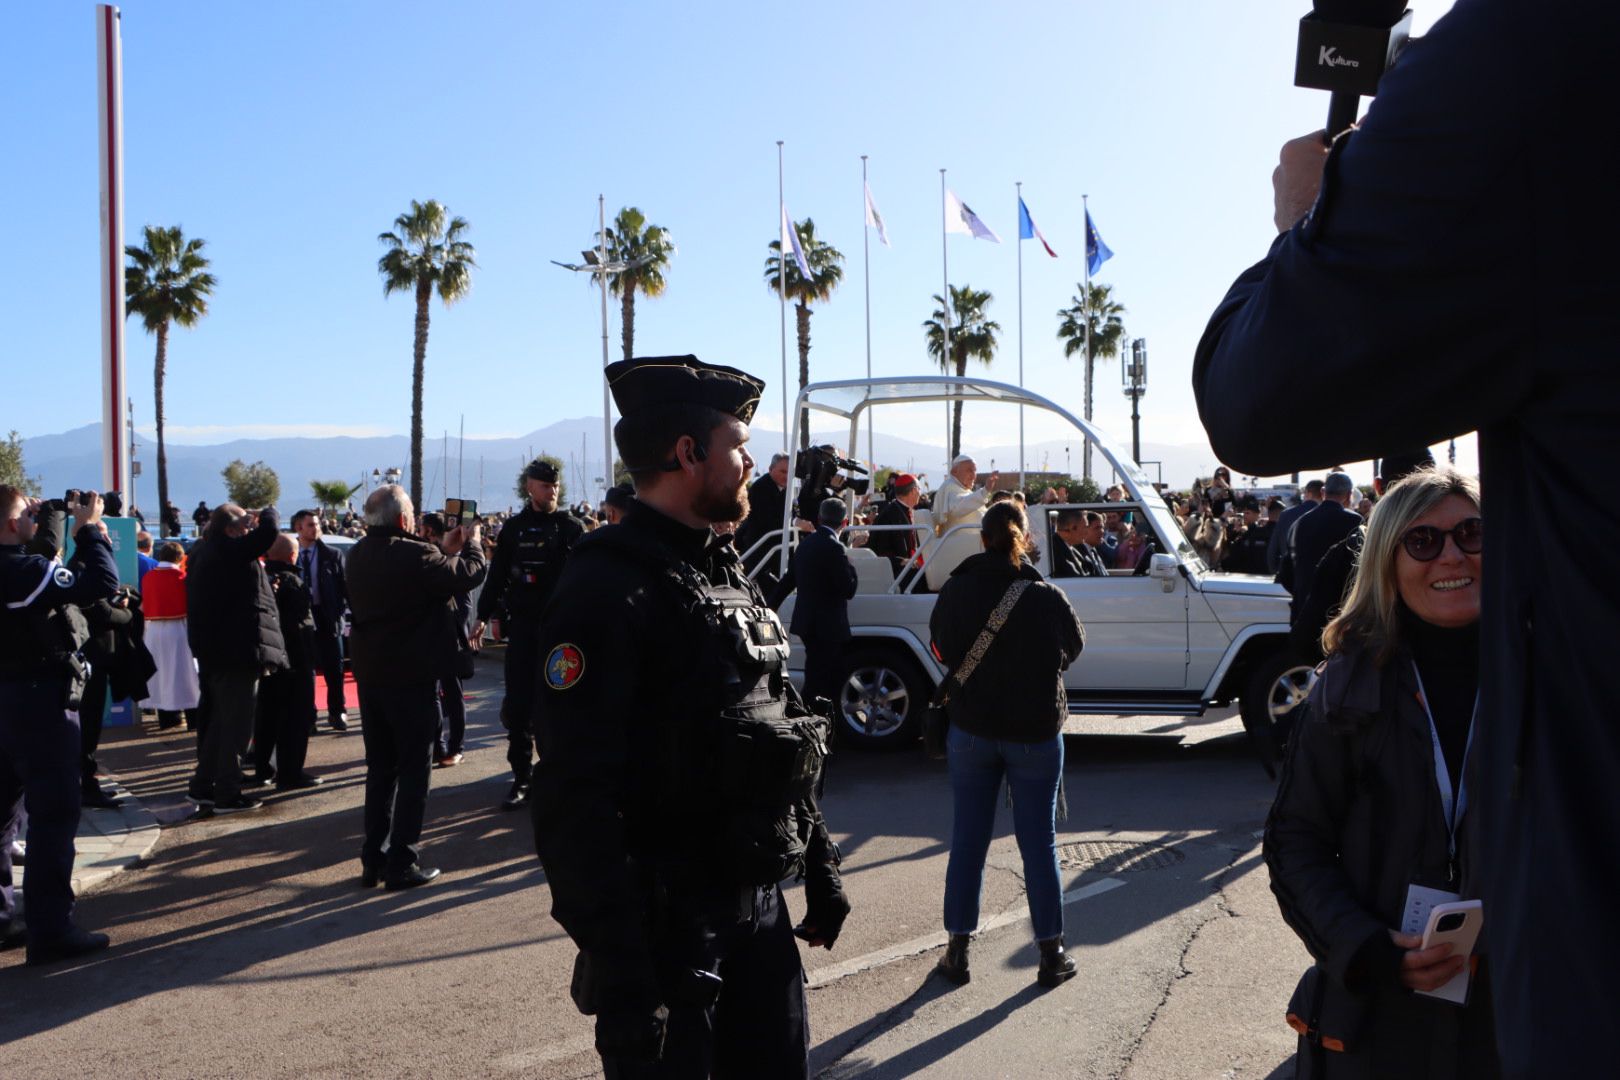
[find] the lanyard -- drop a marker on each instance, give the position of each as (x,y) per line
(1452,809)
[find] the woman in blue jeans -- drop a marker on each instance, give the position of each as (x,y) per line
(1006,720)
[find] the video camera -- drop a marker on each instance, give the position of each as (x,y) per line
(817,468)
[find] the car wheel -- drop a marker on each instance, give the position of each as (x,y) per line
(1277,686)
(881,698)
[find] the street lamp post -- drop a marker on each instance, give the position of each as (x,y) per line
(596,263)
(1133,373)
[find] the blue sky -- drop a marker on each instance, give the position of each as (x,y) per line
(289,135)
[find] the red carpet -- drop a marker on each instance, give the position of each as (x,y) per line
(351,697)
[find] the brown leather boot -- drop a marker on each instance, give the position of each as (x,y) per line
(953,966)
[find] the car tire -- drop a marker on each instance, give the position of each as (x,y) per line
(889,690)
(1276,686)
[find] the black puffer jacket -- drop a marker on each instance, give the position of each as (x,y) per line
(1357,818)
(231,618)
(1016,692)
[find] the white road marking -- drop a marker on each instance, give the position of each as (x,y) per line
(833,972)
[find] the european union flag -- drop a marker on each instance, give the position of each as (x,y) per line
(1097,252)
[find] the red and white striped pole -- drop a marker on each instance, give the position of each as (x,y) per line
(115,467)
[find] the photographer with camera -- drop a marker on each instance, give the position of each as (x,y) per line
(42,677)
(1477,165)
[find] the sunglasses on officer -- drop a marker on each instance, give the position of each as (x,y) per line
(1425,542)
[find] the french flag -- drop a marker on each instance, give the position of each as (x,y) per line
(1027,229)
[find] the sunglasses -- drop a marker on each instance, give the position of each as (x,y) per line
(1425,542)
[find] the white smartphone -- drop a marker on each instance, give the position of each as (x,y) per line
(1456,924)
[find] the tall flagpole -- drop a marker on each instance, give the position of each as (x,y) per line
(1019,184)
(608,478)
(781,291)
(945,303)
(866,255)
(1085,303)
(115,467)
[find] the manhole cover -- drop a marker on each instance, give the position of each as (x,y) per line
(1115,856)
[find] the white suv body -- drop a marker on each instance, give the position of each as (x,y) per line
(1172,639)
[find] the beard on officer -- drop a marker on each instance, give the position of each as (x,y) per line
(678,767)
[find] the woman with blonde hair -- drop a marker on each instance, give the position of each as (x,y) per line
(1373,794)
(1006,636)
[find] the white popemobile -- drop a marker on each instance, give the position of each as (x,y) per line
(1170,637)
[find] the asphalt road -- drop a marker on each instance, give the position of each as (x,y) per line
(243,947)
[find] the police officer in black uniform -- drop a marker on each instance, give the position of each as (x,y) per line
(42,674)
(529,557)
(678,768)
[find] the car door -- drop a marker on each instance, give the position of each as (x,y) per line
(1136,628)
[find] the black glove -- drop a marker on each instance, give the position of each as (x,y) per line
(825,907)
(632,1034)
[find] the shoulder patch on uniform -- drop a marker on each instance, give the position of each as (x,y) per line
(564,666)
(63,577)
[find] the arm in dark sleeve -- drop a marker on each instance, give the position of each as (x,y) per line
(1302,853)
(489,600)
(1328,587)
(95,574)
(1070,630)
(448,575)
(946,631)
(1393,282)
(50,526)
(851,579)
(258,540)
(581,786)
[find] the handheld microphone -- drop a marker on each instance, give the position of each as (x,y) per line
(1345,46)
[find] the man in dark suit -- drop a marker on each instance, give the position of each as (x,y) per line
(1330,522)
(826,581)
(1277,549)
(766,497)
(403,589)
(1074,547)
(322,568)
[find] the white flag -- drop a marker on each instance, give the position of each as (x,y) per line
(874,220)
(790,237)
(960,219)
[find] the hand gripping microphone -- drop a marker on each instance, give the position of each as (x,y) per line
(1345,46)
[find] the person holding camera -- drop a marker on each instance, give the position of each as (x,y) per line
(1388,274)
(234,629)
(1020,633)
(42,676)
(1374,795)
(452,730)
(529,557)
(284,713)
(402,592)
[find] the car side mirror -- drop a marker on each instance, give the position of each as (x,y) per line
(1163,566)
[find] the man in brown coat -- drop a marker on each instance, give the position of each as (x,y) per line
(401,589)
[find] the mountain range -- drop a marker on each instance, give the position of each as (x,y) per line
(486,469)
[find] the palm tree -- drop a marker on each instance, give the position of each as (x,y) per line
(1096,319)
(826,272)
(331,494)
(973,337)
(645,250)
(166,281)
(425,251)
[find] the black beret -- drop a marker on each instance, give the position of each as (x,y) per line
(620,496)
(540,469)
(647,382)
(1395,466)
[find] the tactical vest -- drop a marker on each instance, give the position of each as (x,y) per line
(537,554)
(749,756)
